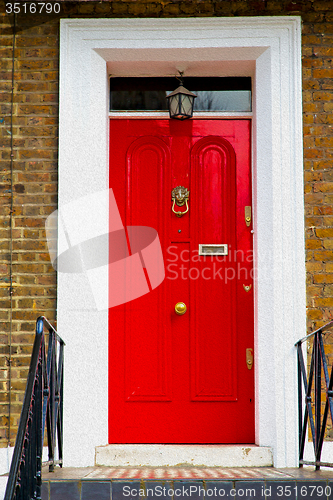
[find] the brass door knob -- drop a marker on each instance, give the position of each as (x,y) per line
(180,308)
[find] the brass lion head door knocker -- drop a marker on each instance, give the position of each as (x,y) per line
(180,197)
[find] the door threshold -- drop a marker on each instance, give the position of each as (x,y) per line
(207,455)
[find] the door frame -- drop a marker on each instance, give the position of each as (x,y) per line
(269,50)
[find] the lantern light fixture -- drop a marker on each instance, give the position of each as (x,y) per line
(181,102)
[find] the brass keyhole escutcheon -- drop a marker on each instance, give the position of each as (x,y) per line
(247,288)
(249,358)
(180,308)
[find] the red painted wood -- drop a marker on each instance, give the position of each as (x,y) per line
(184,379)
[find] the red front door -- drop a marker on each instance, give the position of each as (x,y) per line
(185,378)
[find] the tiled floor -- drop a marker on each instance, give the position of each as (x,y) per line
(155,473)
(188,473)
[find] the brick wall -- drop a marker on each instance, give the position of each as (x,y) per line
(28,162)
(28,194)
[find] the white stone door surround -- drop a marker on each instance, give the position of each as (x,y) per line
(269,50)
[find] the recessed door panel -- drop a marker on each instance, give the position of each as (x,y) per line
(213,169)
(147,357)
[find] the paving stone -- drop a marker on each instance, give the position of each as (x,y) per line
(246,490)
(96,490)
(45,491)
(330,490)
(189,489)
(122,490)
(155,490)
(218,489)
(311,490)
(277,490)
(64,490)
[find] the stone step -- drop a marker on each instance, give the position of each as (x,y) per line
(210,455)
(196,483)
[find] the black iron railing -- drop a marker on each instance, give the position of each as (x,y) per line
(314,394)
(42,409)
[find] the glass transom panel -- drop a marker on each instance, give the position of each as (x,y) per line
(149,94)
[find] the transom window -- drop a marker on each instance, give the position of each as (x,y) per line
(149,94)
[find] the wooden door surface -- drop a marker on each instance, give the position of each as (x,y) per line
(185,378)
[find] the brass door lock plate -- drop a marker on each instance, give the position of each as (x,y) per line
(248,216)
(249,358)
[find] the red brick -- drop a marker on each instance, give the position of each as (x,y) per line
(328,244)
(323,187)
(312,243)
(324,210)
(119,8)
(324,232)
(323,255)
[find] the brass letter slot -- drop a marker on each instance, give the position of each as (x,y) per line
(213,249)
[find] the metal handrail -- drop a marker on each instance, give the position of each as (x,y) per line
(317,422)
(42,408)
